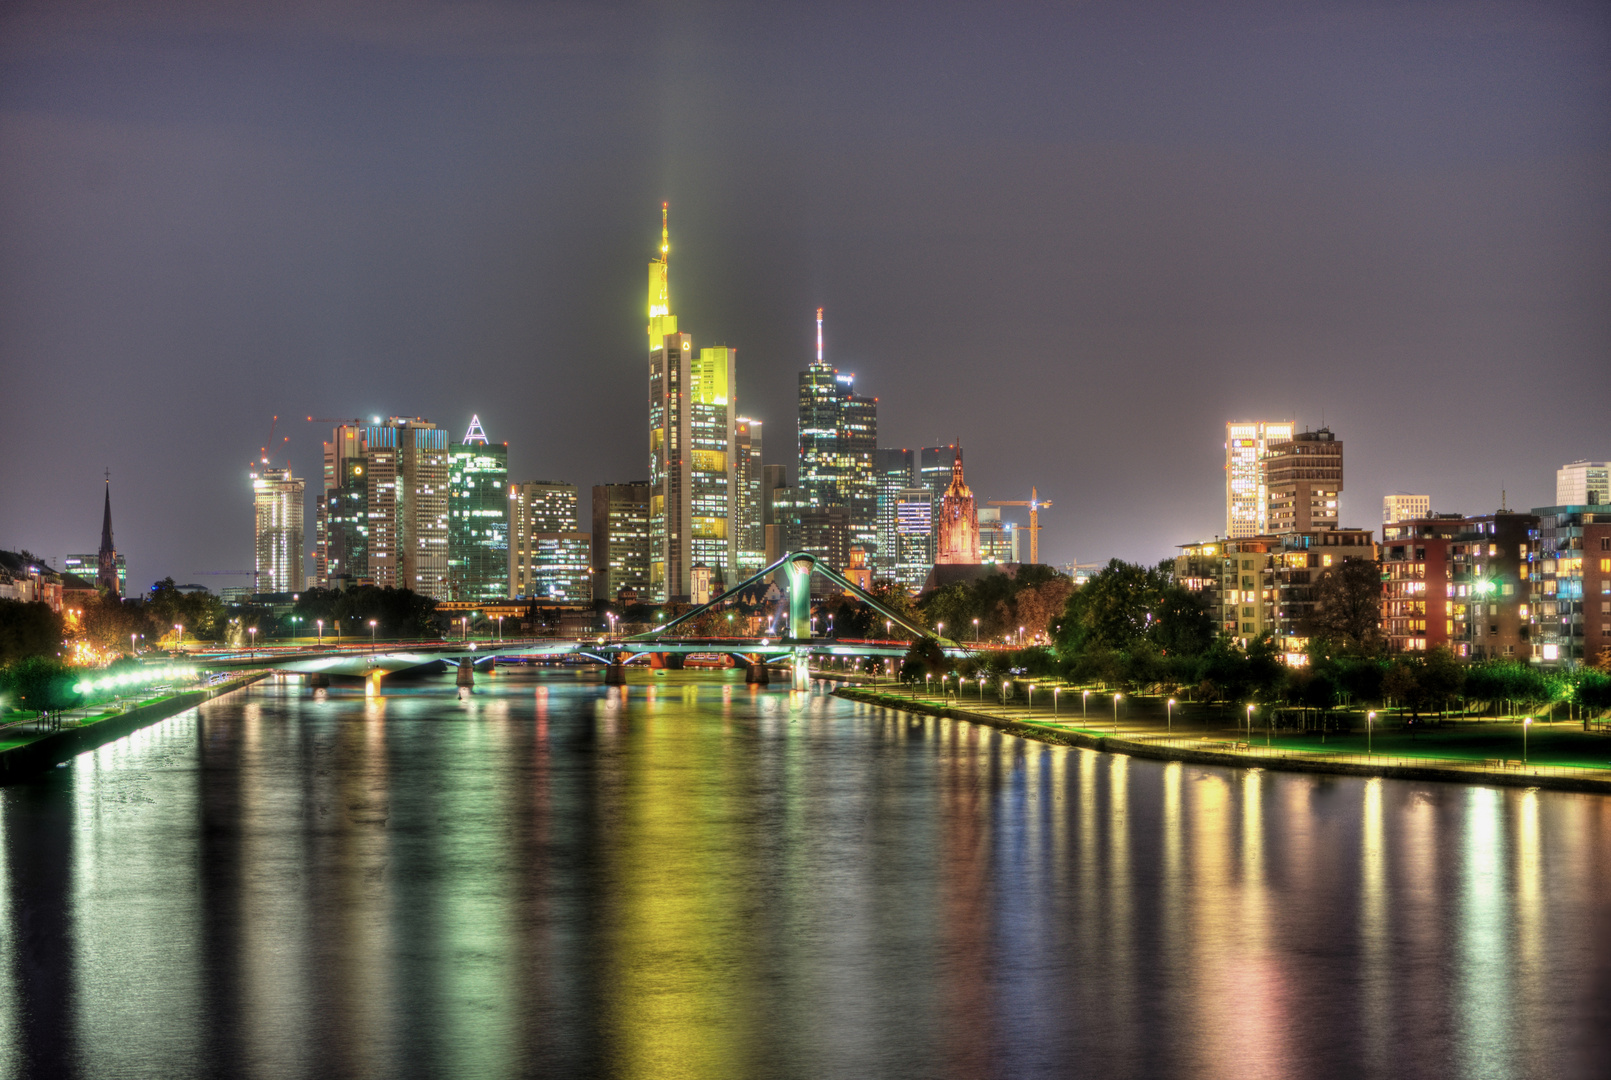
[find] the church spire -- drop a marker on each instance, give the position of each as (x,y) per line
(106,568)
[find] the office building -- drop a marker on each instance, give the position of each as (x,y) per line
(935,464)
(384,515)
(914,531)
(1246,499)
(1583,483)
(894,471)
(1302,479)
(692,447)
(88,567)
(998,539)
(749,531)
(782,515)
(550,557)
(620,540)
(1569,578)
(838,433)
(277,498)
(478,517)
(956,526)
(1402,507)
(1457,582)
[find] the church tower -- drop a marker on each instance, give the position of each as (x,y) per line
(958,524)
(106,571)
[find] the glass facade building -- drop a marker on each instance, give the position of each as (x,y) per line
(838,445)
(277,504)
(620,539)
(478,517)
(550,558)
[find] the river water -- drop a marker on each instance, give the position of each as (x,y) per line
(694,878)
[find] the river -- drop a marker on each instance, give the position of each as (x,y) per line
(694,878)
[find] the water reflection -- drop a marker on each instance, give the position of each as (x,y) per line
(689,876)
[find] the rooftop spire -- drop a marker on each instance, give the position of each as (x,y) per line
(106,569)
(475,434)
(665,232)
(819,335)
(659,289)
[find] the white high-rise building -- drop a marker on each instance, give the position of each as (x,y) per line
(1247,500)
(1401,507)
(1583,483)
(277,500)
(550,557)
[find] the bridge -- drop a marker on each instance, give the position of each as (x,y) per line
(795,647)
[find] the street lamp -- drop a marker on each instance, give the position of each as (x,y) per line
(1055,691)
(1170,710)
(1368,718)
(181,628)
(131,644)
(1020,637)
(939,629)
(1116,713)
(981,689)
(976,631)
(500,626)
(371,636)
(1031,699)
(253,632)
(1527,723)
(320,624)
(1085,705)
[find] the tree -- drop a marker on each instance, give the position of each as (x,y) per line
(925,657)
(28,628)
(1347,607)
(200,613)
(108,623)
(38,683)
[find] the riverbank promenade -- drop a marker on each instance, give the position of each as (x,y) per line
(1559,755)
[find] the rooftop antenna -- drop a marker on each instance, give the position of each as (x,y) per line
(819,335)
(475,434)
(1501,500)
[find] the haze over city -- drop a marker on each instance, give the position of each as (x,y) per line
(1080,241)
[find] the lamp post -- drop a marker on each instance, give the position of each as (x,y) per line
(131,644)
(253,632)
(1368,718)
(1527,723)
(1170,722)
(1020,637)
(888,631)
(320,624)
(981,689)
(1085,705)
(371,637)
(1250,723)
(179,626)
(1055,691)
(500,627)
(976,631)
(1116,713)
(1031,700)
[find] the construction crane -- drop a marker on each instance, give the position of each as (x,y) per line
(1035,504)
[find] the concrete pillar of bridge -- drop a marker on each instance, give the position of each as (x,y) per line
(372,683)
(802,669)
(466,672)
(799,569)
(615,674)
(755,671)
(671,661)
(316,680)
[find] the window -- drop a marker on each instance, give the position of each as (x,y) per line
(1605,543)
(1605,566)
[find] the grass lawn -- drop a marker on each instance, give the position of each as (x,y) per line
(1559,744)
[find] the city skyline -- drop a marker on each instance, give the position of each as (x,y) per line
(1228,267)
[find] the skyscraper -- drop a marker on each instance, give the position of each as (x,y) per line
(277,503)
(1246,500)
(478,517)
(385,505)
(1303,479)
(957,524)
(550,558)
(893,473)
(750,534)
(692,447)
(838,442)
(620,539)
(107,578)
(914,528)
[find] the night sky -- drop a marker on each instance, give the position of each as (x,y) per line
(1079,237)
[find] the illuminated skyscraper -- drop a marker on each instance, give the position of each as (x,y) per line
(277,503)
(914,529)
(838,444)
(385,506)
(692,447)
(750,539)
(550,558)
(478,517)
(893,473)
(1246,496)
(620,540)
(1303,480)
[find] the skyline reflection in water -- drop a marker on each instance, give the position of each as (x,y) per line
(691,877)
